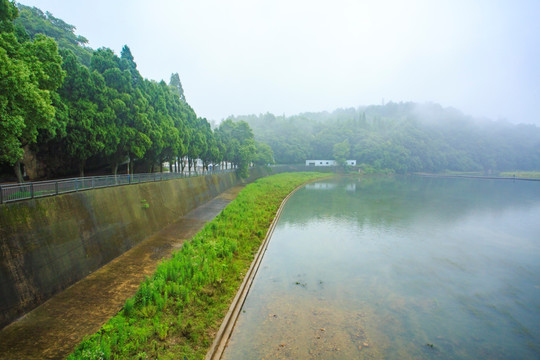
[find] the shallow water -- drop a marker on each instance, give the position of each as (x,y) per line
(399,268)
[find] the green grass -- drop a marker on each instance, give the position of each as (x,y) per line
(522,174)
(469,173)
(176,313)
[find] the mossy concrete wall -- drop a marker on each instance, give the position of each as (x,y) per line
(48,244)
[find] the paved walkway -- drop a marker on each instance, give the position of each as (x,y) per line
(52,330)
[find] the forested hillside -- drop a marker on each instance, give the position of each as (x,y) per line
(403,137)
(66,107)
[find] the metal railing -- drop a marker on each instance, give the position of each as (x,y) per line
(38,189)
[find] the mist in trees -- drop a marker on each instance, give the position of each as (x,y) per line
(402,137)
(176,86)
(238,143)
(74,108)
(32,21)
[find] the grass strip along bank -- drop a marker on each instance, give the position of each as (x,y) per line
(176,313)
(522,174)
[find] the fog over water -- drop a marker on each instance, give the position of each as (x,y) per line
(240,57)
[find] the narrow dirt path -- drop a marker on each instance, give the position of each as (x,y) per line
(52,330)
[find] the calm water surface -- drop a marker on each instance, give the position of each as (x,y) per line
(399,268)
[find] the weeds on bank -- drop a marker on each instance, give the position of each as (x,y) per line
(522,174)
(176,312)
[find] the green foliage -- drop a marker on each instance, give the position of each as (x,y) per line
(29,72)
(341,152)
(8,13)
(522,174)
(177,311)
(404,137)
(263,154)
(33,21)
(238,144)
(176,86)
(104,112)
(85,128)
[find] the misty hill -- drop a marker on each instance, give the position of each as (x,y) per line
(404,137)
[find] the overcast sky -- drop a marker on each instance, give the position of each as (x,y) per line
(239,57)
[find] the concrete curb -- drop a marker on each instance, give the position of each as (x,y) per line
(224,333)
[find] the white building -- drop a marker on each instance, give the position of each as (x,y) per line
(321,186)
(328,162)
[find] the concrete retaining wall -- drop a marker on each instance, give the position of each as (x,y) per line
(48,244)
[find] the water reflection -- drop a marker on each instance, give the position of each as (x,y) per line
(399,268)
(399,199)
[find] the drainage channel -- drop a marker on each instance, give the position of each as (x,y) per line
(52,330)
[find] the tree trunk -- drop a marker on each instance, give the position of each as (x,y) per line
(81,167)
(114,167)
(18,173)
(130,166)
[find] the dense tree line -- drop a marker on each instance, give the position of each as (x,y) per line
(403,137)
(30,72)
(71,107)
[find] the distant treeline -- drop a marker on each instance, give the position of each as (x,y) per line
(65,106)
(403,137)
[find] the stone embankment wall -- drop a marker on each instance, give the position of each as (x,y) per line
(50,243)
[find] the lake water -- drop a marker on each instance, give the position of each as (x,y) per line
(399,268)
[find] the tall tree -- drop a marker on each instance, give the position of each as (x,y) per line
(211,152)
(33,21)
(104,112)
(176,86)
(239,144)
(30,71)
(85,131)
(263,154)
(131,124)
(341,151)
